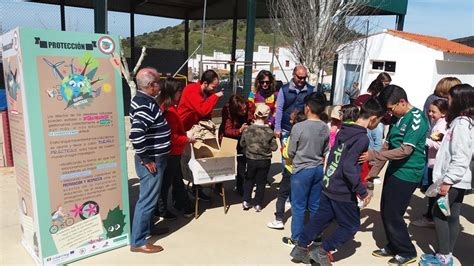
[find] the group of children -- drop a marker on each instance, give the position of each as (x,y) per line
(324,173)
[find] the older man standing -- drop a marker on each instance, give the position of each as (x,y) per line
(290,98)
(150,137)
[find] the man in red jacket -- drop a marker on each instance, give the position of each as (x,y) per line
(199,99)
(196,104)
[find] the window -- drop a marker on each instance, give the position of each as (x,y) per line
(388,66)
(377,65)
(287,63)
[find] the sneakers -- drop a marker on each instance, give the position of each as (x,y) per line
(424,222)
(289,242)
(276,224)
(258,208)
(382,253)
(246,206)
(434,260)
(268,184)
(169,216)
(300,254)
(399,260)
(188,213)
(321,256)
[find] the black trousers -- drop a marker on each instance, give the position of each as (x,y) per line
(396,195)
(241,168)
(283,194)
(173,179)
(257,171)
(447,228)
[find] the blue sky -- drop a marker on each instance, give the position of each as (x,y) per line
(444,18)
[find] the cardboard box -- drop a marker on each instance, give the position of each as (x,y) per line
(211,163)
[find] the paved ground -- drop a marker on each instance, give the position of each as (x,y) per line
(236,238)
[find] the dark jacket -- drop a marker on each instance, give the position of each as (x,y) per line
(258,142)
(341,181)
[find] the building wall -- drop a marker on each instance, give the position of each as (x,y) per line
(418,68)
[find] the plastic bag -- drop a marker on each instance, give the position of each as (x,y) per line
(433,190)
(443,204)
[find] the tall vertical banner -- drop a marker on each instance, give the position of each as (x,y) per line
(65,109)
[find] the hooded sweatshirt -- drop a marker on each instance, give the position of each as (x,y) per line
(455,154)
(341,181)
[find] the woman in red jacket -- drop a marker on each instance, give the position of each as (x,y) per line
(237,115)
(170,94)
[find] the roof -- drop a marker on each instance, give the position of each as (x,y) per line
(437,43)
(216,9)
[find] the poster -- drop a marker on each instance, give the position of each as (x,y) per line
(68,142)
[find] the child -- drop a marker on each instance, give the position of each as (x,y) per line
(436,112)
(341,188)
(258,142)
(309,142)
(284,191)
(335,124)
(452,168)
(237,115)
(405,148)
(170,94)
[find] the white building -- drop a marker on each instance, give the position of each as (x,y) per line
(415,62)
(262,60)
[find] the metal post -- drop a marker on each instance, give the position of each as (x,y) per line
(249,43)
(132,34)
(186,42)
(63,15)
(273,53)
(202,37)
(334,74)
(400,21)
(234,47)
(100,16)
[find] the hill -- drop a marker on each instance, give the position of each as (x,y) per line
(218,36)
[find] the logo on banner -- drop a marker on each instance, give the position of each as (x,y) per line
(106,45)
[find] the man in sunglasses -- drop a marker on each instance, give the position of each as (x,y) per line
(290,98)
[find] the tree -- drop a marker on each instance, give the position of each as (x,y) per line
(315,29)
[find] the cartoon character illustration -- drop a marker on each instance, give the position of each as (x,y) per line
(114,223)
(60,220)
(13,87)
(76,89)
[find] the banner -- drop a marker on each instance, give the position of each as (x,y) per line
(66,114)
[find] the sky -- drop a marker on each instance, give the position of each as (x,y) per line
(443,18)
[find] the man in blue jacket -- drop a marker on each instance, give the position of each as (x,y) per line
(341,188)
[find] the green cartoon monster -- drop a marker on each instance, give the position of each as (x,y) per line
(114,223)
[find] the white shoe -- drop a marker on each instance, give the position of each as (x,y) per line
(276,224)
(377,181)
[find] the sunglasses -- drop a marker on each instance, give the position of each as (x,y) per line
(301,78)
(264,82)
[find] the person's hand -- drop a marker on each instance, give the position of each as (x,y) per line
(151,166)
(191,140)
(367,199)
(364,157)
(220,94)
(277,134)
(444,189)
(243,127)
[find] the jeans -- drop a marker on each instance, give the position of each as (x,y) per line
(306,186)
(447,228)
(257,171)
(150,186)
(396,195)
(347,216)
(283,195)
